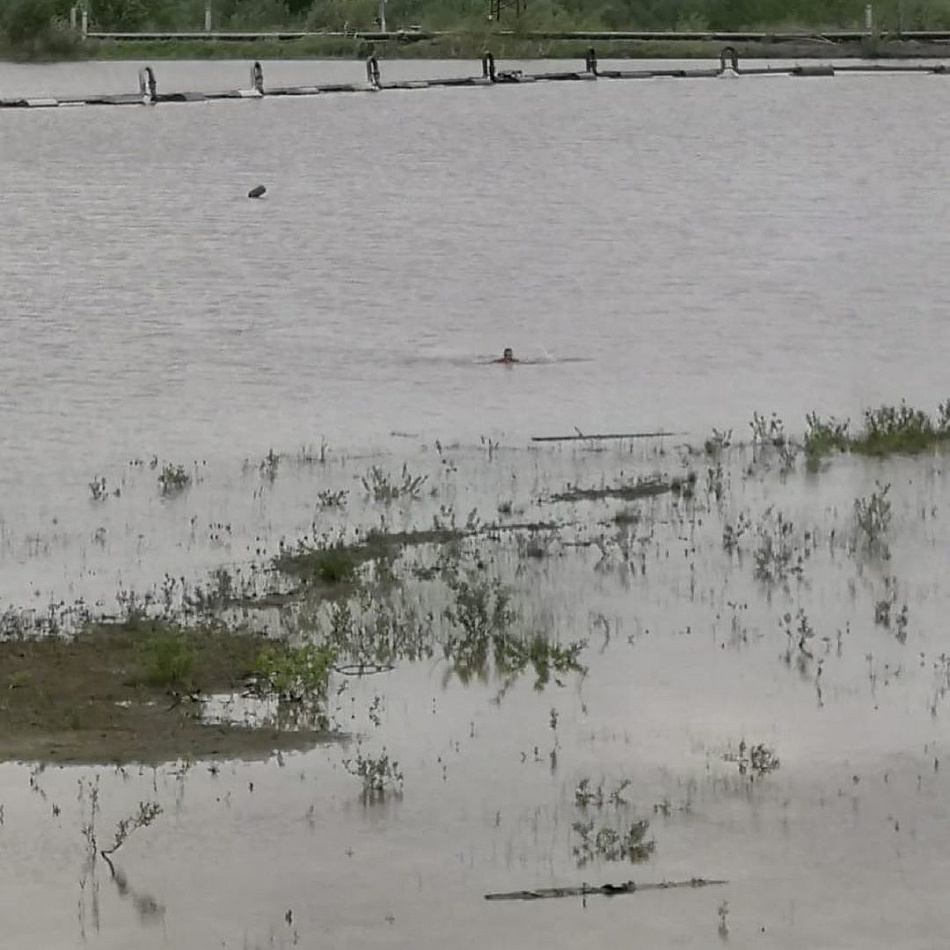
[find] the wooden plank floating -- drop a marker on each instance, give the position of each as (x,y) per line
(149,94)
(608,890)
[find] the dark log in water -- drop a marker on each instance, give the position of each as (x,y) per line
(608,890)
(582,437)
(258,191)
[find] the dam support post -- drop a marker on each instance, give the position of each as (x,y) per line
(257,78)
(728,54)
(372,71)
(148,86)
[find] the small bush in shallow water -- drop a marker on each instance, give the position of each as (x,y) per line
(718,441)
(173,479)
(334,566)
(379,775)
(268,468)
(381,486)
(147,813)
(332,499)
(169,659)
(767,431)
(902,429)
(587,794)
(798,635)
(824,436)
(609,844)
(872,515)
(758,759)
(885,613)
(296,674)
(778,555)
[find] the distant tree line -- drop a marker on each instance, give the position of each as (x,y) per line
(24,20)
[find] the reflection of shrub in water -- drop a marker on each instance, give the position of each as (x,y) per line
(383,634)
(481,610)
(885,613)
(299,677)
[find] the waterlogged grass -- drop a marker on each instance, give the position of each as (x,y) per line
(628,491)
(886,430)
(337,562)
(644,645)
(902,429)
(824,436)
(361,600)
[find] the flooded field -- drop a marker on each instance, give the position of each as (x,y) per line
(306,642)
(568,665)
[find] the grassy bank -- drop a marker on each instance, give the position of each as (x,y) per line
(125,692)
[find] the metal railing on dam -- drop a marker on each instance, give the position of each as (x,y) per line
(372,81)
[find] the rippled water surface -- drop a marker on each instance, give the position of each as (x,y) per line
(663,254)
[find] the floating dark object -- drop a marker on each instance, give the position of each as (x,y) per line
(822,70)
(258,191)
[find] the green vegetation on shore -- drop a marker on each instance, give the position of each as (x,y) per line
(473,45)
(40,29)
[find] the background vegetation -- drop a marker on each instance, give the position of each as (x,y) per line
(38,27)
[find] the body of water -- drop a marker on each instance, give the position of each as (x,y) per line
(662,254)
